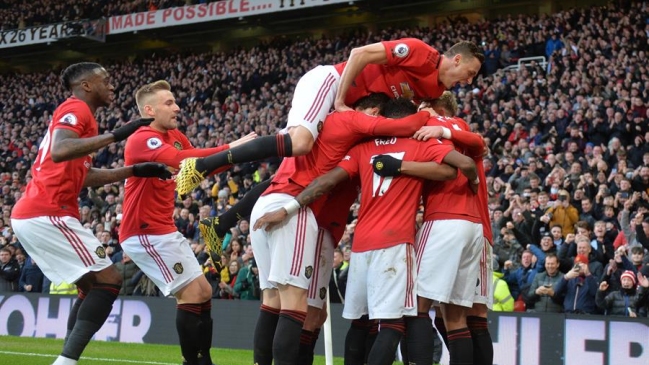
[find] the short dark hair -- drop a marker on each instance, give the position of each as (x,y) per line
(398,108)
(466,49)
(551,254)
(373,100)
(74,72)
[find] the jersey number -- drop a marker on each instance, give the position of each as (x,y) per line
(43,149)
(381,184)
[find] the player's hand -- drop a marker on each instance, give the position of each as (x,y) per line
(386,165)
(427,132)
(151,169)
(271,219)
(340,106)
(245,139)
(127,129)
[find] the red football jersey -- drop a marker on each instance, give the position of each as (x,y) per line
(149,202)
(412,72)
(339,133)
(335,211)
(54,187)
(453,199)
(388,205)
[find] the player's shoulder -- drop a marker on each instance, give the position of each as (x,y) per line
(72,111)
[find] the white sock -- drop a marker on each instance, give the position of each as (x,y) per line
(64,361)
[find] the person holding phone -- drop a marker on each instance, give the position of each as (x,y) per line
(541,295)
(578,288)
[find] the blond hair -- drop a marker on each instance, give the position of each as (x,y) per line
(446,101)
(145,92)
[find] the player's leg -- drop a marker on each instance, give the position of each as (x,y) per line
(477,315)
(170,263)
(420,333)
(214,229)
(74,255)
(270,306)
(313,97)
(455,309)
(293,254)
(391,296)
(317,294)
(355,309)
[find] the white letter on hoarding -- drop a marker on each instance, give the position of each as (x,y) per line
(505,341)
(136,321)
(621,336)
(530,344)
(57,326)
(20,304)
(577,333)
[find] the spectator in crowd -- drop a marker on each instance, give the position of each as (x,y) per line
(338,282)
(578,287)
(563,213)
(521,278)
(541,296)
(503,301)
(63,288)
(226,288)
(247,284)
(127,269)
(621,302)
(9,271)
(31,277)
(616,267)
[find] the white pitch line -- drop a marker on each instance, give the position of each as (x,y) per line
(88,358)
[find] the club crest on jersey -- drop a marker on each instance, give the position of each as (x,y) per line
(69,119)
(401,50)
(178,145)
(153,143)
(308,271)
(101,252)
(178,268)
(323,293)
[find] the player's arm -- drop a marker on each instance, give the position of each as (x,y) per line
(358,59)
(429,170)
(99,177)
(318,187)
(470,141)
(66,144)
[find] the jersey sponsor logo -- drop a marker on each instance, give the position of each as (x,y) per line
(456,127)
(101,252)
(69,119)
(178,145)
(308,272)
(401,50)
(323,293)
(153,143)
(178,268)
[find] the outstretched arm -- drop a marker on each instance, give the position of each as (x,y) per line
(66,144)
(429,170)
(358,59)
(99,177)
(318,187)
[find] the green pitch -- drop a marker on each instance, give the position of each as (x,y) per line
(43,351)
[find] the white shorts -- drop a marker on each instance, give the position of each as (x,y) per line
(448,260)
(484,291)
(382,283)
(284,255)
(323,265)
(313,99)
(166,259)
(61,246)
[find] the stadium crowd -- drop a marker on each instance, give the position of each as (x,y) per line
(568,167)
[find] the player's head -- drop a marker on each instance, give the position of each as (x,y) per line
(461,63)
(398,108)
(445,105)
(88,80)
(372,103)
(155,100)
